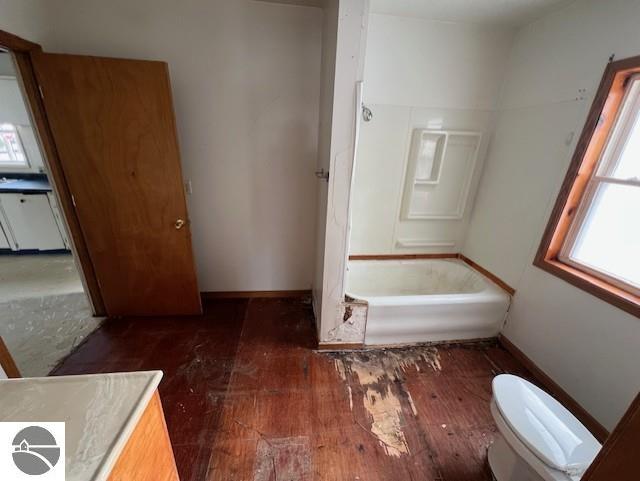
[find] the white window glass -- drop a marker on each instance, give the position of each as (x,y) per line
(627,165)
(609,239)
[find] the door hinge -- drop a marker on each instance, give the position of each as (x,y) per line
(41,92)
(73,200)
(322,174)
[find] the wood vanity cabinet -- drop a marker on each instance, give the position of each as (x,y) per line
(148,455)
(114,425)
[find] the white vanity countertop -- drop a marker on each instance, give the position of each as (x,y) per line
(100,410)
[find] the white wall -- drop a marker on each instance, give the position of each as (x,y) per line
(586,345)
(349,67)
(328,70)
(246,83)
(420,74)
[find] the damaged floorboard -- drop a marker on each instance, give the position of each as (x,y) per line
(247,397)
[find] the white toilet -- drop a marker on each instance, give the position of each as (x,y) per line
(539,439)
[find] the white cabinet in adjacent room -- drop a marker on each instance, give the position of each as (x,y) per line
(59,220)
(4,242)
(30,222)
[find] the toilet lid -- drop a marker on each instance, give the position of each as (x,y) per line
(551,432)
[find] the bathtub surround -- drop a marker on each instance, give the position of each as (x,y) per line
(423,74)
(590,339)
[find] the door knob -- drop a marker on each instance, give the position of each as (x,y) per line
(367,114)
(179,224)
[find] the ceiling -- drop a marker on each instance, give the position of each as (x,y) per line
(488,12)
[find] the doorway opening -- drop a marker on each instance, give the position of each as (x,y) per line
(44,308)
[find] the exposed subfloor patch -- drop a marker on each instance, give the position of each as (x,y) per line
(380,373)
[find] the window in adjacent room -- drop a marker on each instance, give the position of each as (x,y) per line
(593,237)
(11,150)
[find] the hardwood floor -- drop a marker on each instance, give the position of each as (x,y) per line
(246,397)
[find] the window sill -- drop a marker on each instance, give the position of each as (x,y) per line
(16,169)
(607,292)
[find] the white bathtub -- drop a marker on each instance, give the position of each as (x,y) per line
(426,301)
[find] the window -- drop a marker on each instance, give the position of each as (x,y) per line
(11,151)
(593,236)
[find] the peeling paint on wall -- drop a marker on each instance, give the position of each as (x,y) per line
(385,400)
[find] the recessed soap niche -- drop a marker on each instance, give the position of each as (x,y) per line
(439,172)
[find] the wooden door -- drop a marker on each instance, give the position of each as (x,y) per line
(113,125)
(618,458)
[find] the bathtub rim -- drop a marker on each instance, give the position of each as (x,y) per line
(484,296)
(490,293)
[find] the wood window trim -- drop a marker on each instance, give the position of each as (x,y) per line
(600,120)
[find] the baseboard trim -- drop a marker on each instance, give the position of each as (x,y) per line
(597,429)
(397,257)
(255,294)
(347,346)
